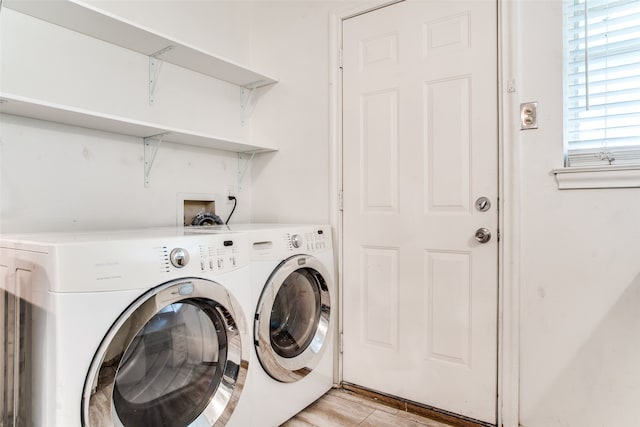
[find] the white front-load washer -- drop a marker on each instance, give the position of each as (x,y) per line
(295,296)
(133,328)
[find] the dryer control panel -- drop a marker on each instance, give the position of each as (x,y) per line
(284,241)
(308,242)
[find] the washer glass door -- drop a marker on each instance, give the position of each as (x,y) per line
(175,358)
(292,318)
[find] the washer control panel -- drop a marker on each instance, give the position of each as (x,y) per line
(145,258)
(219,258)
(205,254)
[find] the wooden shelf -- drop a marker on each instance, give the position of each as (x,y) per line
(97,23)
(42,110)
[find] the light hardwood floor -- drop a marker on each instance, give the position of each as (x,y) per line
(342,408)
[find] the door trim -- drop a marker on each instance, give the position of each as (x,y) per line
(508,190)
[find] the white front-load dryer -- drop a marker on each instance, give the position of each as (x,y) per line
(295,320)
(134,328)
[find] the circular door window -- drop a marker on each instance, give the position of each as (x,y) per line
(176,357)
(292,319)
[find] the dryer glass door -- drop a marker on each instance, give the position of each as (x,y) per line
(292,318)
(174,359)
(295,313)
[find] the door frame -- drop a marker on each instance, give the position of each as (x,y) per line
(508,190)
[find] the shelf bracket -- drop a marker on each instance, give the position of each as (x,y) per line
(242,171)
(151,145)
(155,66)
(246,104)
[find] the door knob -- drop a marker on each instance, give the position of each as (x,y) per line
(483,235)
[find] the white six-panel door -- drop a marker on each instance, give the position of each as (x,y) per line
(420,146)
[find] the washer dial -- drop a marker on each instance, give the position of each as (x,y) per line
(179,257)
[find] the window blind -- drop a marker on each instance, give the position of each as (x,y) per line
(602,82)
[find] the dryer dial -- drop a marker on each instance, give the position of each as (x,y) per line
(296,241)
(179,257)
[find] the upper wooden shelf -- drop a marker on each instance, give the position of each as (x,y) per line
(97,23)
(42,110)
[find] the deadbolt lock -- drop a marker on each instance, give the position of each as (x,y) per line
(483,204)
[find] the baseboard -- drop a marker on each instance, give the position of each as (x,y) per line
(414,408)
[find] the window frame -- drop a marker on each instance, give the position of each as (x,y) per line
(592,173)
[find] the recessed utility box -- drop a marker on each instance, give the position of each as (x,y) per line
(194,207)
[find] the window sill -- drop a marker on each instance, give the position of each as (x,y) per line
(597,177)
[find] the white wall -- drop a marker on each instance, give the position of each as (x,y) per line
(292,39)
(59,178)
(580,261)
(56,177)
